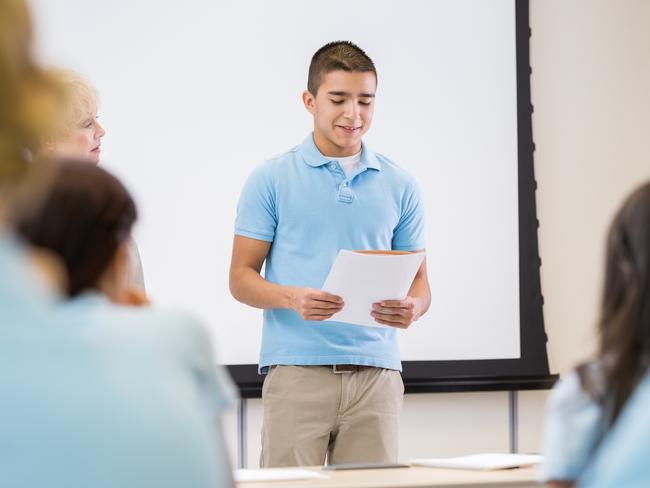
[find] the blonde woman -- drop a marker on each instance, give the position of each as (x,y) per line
(79,137)
(80,133)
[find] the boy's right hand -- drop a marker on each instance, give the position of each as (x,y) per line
(313,304)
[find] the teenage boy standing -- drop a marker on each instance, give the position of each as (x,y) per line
(331,388)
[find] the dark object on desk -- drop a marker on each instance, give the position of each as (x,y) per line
(340,467)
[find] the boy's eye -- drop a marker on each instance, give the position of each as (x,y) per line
(364,103)
(337,102)
(88,124)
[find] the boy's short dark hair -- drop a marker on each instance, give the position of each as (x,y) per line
(334,56)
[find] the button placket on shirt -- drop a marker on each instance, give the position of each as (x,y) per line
(345,194)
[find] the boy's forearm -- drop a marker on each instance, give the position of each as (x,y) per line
(421,292)
(247,286)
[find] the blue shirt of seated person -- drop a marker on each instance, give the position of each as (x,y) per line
(622,459)
(96,393)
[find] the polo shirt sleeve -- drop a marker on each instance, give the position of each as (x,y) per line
(409,232)
(256,212)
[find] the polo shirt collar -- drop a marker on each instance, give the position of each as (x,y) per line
(314,158)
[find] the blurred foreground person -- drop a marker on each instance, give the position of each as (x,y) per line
(591,411)
(139,387)
(31,99)
(30,102)
(82,404)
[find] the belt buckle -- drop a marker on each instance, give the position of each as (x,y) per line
(344,368)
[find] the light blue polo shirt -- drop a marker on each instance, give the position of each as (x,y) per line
(303,203)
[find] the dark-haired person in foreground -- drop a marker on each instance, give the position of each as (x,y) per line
(332,389)
(130,396)
(597,428)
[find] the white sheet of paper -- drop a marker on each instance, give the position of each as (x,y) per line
(363,279)
(486,461)
(275,474)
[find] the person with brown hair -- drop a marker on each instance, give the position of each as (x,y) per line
(332,390)
(140,394)
(85,220)
(586,407)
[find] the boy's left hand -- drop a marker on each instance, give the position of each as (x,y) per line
(397,313)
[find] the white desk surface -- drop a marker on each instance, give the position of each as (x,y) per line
(415,477)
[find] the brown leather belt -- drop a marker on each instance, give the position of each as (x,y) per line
(347,368)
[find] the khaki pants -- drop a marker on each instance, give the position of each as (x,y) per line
(311,412)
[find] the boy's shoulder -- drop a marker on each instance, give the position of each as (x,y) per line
(282,159)
(272,167)
(393,169)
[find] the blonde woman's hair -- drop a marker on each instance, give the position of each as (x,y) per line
(82,98)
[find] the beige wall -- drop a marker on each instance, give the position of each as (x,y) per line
(591,126)
(591,91)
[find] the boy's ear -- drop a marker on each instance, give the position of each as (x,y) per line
(309,101)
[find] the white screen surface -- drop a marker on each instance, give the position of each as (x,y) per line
(195,94)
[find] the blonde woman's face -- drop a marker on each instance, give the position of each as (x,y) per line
(82,142)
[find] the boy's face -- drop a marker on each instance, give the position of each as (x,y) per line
(342,110)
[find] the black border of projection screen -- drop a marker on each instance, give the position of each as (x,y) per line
(530,371)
